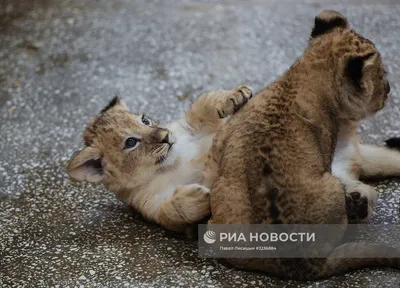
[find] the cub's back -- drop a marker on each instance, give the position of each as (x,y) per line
(274,131)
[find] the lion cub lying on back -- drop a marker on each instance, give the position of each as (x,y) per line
(153,167)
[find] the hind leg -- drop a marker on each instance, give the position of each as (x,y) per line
(378,162)
(374,162)
(328,207)
(229,196)
(360,199)
(187,205)
(347,166)
(230,203)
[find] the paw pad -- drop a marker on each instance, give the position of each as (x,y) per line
(357,206)
(355,196)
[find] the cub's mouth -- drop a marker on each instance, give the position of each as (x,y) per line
(170,147)
(164,157)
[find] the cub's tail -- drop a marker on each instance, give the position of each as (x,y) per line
(353,256)
(343,259)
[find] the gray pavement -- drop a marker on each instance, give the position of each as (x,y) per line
(60,63)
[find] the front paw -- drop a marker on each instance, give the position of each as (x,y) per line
(193,202)
(232,102)
(360,201)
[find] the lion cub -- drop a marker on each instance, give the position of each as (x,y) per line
(156,168)
(273,159)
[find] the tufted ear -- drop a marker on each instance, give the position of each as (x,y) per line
(326,21)
(359,72)
(115,103)
(86,165)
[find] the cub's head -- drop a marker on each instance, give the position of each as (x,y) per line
(356,65)
(122,149)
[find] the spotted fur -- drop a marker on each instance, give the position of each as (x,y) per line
(274,158)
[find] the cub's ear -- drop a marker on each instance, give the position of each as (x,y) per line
(359,70)
(86,165)
(115,103)
(326,21)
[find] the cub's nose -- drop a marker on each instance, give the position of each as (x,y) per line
(161,136)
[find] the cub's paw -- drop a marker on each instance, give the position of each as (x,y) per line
(360,201)
(233,101)
(193,202)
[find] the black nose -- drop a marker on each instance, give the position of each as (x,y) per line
(166,139)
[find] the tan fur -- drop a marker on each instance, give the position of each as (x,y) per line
(272,162)
(159,176)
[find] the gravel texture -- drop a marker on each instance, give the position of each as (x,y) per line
(60,63)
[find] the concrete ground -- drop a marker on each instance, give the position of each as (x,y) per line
(60,63)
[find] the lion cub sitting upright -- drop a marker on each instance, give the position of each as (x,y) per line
(273,159)
(156,168)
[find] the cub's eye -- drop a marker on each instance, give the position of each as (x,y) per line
(146,121)
(131,142)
